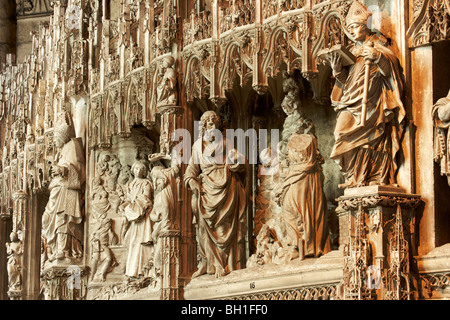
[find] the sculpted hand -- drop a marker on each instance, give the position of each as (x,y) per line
(57,170)
(235,157)
(370,53)
(195,186)
(336,63)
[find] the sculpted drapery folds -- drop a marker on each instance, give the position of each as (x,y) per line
(164,181)
(102,256)
(61,221)
(268,176)
(166,90)
(441,119)
(14,251)
(136,209)
(216,174)
(303,203)
(366,152)
(295,121)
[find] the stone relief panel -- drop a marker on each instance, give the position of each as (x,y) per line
(120,202)
(132,204)
(133,214)
(14,251)
(291,223)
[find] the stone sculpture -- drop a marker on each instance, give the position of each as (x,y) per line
(102,164)
(112,173)
(268,176)
(291,202)
(164,204)
(14,251)
(100,201)
(124,179)
(102,257)
(166,90)
(366,97)
(441,120)
(295,121)
(303,202)
(218,200)
(264,249)
(136,209)
(63,215)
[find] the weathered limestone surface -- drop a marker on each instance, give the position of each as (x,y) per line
(117,211)
(434,273)
(268,279)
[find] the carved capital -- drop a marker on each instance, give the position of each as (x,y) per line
(372,196)
(20,195)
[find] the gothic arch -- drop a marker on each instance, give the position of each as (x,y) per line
(331,23)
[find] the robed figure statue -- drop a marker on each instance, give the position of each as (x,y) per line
(367,98)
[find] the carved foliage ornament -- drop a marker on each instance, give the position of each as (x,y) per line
(431,22)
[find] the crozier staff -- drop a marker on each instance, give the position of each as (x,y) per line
(366,146)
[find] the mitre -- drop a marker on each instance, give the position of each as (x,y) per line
(64,126)
(157,173)
(358,13)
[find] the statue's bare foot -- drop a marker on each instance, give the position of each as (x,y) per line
(201,270)
(220,272)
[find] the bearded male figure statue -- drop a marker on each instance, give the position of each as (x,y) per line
(216,175)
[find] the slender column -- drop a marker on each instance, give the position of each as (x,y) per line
(260,84)
(16,249)
(171,261)
(216,95)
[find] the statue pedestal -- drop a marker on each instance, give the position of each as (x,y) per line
(376,224)
(65,282)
